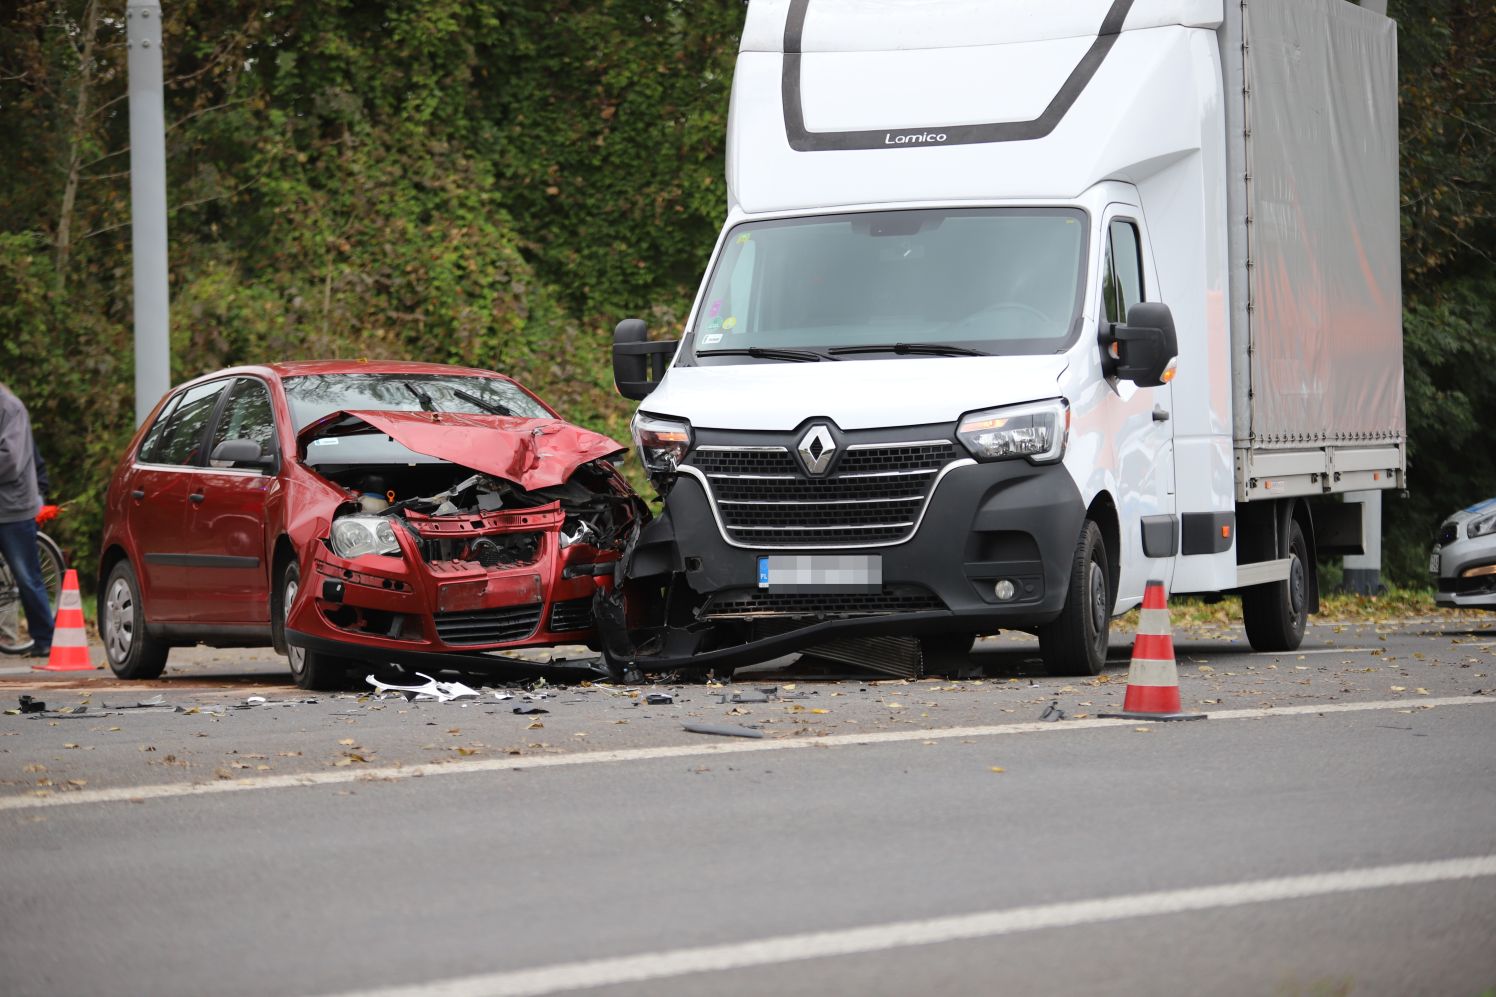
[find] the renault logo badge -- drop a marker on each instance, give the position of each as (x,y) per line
(816,449)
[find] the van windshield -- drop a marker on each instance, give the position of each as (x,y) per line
(998,281)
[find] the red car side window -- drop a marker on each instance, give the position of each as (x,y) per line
(151,445)
(181,441)
(247,416)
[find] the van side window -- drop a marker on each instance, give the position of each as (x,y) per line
(1122,274)
(182,440)
(247,416)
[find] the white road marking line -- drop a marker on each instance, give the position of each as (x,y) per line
(675,963)
(393,773)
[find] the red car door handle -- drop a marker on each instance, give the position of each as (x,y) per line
(137,494)
(195,498)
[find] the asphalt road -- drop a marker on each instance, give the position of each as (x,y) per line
(1331,829)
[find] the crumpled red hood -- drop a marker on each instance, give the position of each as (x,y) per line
(532,453)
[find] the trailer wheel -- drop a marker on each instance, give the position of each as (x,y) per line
(1276,614)
(1075,644)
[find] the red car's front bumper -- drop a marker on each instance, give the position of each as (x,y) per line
(439,600)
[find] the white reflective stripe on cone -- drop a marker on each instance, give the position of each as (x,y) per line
(1145,672)
(69,637)
(1154,621)
(70,600)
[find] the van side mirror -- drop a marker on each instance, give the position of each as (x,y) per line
(638,364)
(1141,350)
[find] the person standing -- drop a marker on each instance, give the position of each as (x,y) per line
(20,501)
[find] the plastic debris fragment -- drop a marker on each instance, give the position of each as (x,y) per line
(723,730)
(432,690)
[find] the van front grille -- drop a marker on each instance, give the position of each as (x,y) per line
(873,494)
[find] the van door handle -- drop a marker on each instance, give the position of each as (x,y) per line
(137,494)
(195,498)
(1160,414)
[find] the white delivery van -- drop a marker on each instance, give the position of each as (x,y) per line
(1018,305)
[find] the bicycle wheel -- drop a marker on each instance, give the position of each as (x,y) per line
(54,565)
(10,612)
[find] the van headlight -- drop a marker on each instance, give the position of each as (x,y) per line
(1037,431)
(1480,527)
(354,536)
(662,443)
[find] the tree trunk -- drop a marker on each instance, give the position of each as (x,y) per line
(76,138)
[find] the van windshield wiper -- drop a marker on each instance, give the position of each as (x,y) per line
(493,408)
(768,353)
(906,349)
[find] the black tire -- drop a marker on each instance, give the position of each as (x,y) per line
(313,670)
(130,649)
(1276,614)
(1076,643)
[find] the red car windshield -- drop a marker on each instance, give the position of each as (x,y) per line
(314,395)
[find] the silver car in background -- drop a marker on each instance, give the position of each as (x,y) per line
(1463,564)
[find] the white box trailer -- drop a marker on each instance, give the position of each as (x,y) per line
(1017,306)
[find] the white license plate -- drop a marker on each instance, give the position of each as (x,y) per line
(821,572)
(1433,563)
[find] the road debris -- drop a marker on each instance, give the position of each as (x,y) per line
(432,690)
(756,696)
(1053,712)
(722,730)
(145,704)
(658,699)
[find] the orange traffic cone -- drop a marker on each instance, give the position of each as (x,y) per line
(70,636)
(1153,679)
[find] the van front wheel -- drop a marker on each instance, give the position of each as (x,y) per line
(1075,644)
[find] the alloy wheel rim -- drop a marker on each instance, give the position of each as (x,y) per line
(119,620)
(296,655)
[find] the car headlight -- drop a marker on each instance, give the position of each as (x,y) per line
(1480,527)
(353,536)
(1037,430)
(662,443)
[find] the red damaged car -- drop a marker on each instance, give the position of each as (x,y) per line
(354,513)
